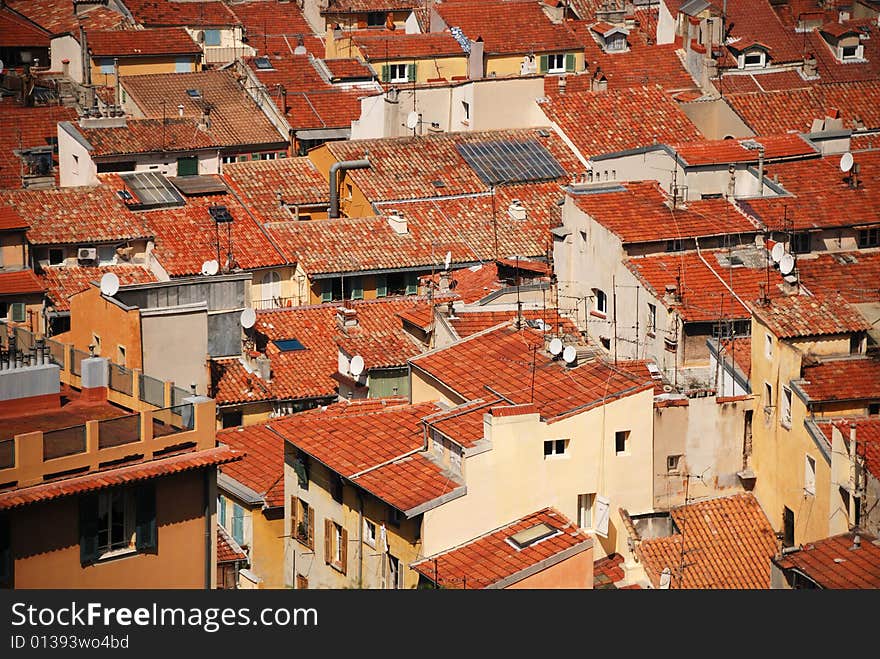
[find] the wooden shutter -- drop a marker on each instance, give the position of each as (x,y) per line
(146,533)
(603,505)
(569,61)
(411,72)
(294,510)
(386,73)
(88,528)
(343,551)
(328,541)
(311,528)
(542,64)
(18,312)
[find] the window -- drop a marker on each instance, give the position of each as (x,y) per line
(394,517)
(556,63)
(585,510)
(753,60)
(376,19)
(768,346)
(356,285)
(621,442)
(785,418)
(869,237)
(18,312)
(116,522)
(120,355)
(800,243)
(874,409)
(851,52)
(369,533)
(56,256)
(600,301)
(395,576)
(212,37)
(335,545)
(652,319)
(232,419)
(75,167)
(381,286)
(302,522)
(182,65)
(238,523)
(674,245)
(768,395)
(533,534)
(787,527)
(106,64)
(467,110)
(672,463)
(397,73)
(221,511)
(301,468)
(96,341)
(554,447)
(809,476)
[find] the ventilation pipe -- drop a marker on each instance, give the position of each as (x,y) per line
(343,165)
(761,171)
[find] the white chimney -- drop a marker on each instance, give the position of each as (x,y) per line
(397,221)
(264,368)
(516,210)
(180,110)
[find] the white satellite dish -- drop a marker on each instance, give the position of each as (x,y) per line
(556,346)
(2,66)
(248,318)
(777,252)
(846,162)
(412,120)
(569,355)
(357,366)
(211,267)
(109,284)
(786,264)
(447,261)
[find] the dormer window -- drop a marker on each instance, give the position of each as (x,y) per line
(754,59)
(556,63)
(855,52)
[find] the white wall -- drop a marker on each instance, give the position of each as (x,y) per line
(66,47)
(75,164)
(665,25)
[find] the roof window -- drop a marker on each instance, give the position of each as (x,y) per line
(533,534)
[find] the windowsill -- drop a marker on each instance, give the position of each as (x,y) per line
(599,314)
(561,456)
(370,544)
(304,543)
(621,454)
(465,122)
(116,554)
(651,335)
(807,493)
(338,567)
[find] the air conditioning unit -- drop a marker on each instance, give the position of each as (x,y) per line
(87,253)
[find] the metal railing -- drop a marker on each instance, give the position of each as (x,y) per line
(177,396)
(56,352)
(119,431)
(64,441)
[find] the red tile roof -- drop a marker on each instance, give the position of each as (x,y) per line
(712,152)
(867,439)
(235,118)
(640,212)
(740,351)
(323,108)
(98,480)
(348,68)
(20,32)
(809,315)
(491,560)
(756,22)
(841,379)
(410,482)
(262,468)
(820,190)
(26,127)
(468,322)
(64,281)
(272,27)
(831,69)
(228,550)
(11,220)
(258,183)
(393,46)
(140,43)
(149,135)
(77,215)
(59,17)
(513,28)
(406,167)
(643,116)
(473,283)
(606,571)
(853,275)
(19,283)
(704,292)
(832,563)
(502,358)
(463,424)
(192,13)
(723,543)
(359,6)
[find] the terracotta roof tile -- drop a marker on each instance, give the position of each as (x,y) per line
(841,379)
(143,470)
(273,27)
(258,182)
(191,13)
(348,68)
(756,22)
(463,424)
(357,6)
(727,543)
(607,571)
(20,32)
(17,283)
(235,117)
(853,275)
(740,350)
(867,438)
(26,127)
(809,315)
(138,43)
(468,322)
(644,115)
(409,482)
(832,563)
(58,17)
(11,220)
(501,359)
(489,559)
(711,152)
(149,135)
(392,45)
(831,69)
(228,550)
(64,281)
(473,283)
(262,468)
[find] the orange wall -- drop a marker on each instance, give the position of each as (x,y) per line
(45,543)
(574,572)
(12,250)
(92,314)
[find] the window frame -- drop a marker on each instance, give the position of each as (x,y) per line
(809,475)
(558,448)
(370,538)
(625,435)
(560,58)
(761,63)
(673,464)
(867,238)
(587,498)
(373,15)
(393,77)
(600,302)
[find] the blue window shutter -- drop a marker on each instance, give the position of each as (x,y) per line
(212,37)
(146,533)
(569,61)
(221,512)
(88,528)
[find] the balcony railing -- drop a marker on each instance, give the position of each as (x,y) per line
(275,303)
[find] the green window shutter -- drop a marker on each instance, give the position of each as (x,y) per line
(327,291)
(542,64)
(221,511)
(411,72)
(357,289)
(18,312)
(302,474)
(146,533)
(238,523)
(569,61)
(386,73)
(88,528)
(381,286)
(412,284)
(5,552)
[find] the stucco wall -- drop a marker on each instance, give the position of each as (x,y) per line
(175,348)
(66,47)
(92,314)
(13,250)
(716,119)
(574,572)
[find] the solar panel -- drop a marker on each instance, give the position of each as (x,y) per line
(152,190)
(289,345)
(220,214)
(504,161)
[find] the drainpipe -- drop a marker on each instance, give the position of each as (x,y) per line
(343,165)
(360,539)
(761,172)
(208,566)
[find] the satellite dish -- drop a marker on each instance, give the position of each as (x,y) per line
(555,346)
(777,252)
(248,318)
(846,162)
(2,66)
(448,260)
(210,267)
(786,264)
(357,366)
(109,284)
(412,120)
(569,354)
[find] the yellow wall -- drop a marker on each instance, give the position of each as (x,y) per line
(92,314)
(135,66)
(510,65)
(356,205)
(263,542)
(428,68)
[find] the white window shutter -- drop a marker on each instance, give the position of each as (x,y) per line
(603,505)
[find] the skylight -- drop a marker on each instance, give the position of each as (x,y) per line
(531,535)
(194,93)
(289,345)
(263,63)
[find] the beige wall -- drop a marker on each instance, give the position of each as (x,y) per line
(716,119)
(45,543)
(510,65)
(574,572)
(175,347)
(66,47)
(13,250)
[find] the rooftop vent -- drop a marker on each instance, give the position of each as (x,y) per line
(397,221)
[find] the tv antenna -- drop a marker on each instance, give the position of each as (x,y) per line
(357,366)
(211,267)
(248,318)
(109,284)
